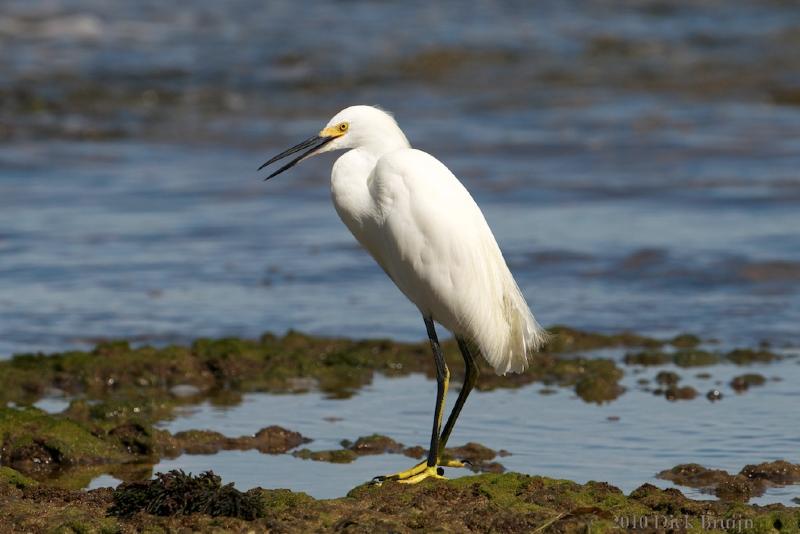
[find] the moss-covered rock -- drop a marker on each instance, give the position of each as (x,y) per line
(14,478)
(566,339)
(35,441)
(146,383)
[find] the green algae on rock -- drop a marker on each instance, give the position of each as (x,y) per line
(566,339)
(744,382)
(155,380)
(71,448)
(36,442)
(15,478)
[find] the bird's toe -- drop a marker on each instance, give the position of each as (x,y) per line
(429,472)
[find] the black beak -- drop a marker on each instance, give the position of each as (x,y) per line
(314,143)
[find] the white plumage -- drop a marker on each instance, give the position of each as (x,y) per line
(424,229)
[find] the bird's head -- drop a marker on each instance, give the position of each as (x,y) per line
(354,127)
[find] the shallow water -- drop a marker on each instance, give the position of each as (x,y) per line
(639,167)
(555,435)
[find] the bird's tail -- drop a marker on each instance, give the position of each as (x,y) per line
(523,334)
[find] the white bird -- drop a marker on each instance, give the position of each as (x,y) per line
(424,229)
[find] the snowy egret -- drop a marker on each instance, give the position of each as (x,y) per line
(424,229)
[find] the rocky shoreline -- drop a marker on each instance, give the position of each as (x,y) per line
(118,394)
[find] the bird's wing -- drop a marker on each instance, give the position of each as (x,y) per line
(439,250)
(437,245)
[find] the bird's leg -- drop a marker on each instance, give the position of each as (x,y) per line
(430,467)
(470,378)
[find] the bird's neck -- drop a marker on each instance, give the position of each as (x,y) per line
(382,141)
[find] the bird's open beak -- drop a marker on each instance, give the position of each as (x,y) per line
(312,144)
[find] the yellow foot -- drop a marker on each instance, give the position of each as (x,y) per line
(421,469)
(402,475)
(455,463)
(433,471)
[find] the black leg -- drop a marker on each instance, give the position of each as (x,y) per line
(442,380)
(470,378)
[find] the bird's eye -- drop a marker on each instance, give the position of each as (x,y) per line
(343,127)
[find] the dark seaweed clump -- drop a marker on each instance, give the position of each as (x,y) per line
(176,493)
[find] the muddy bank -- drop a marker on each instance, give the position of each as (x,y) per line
(486,503)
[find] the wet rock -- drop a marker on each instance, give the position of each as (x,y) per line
(673,393)
(201,441)
(472,452)
(270,440)
(275,440)
(709,480)
(779,473)
(136,438)
(786,95)
(695,358)
(744,382)
(667,378)
(751,481)
(598,389)
(566,339)
(771,271)
(748,356)
(416,451)
(336,456)
(374,444)
(651,357)
(685,341)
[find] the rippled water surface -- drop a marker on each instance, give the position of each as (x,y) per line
(640,167)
